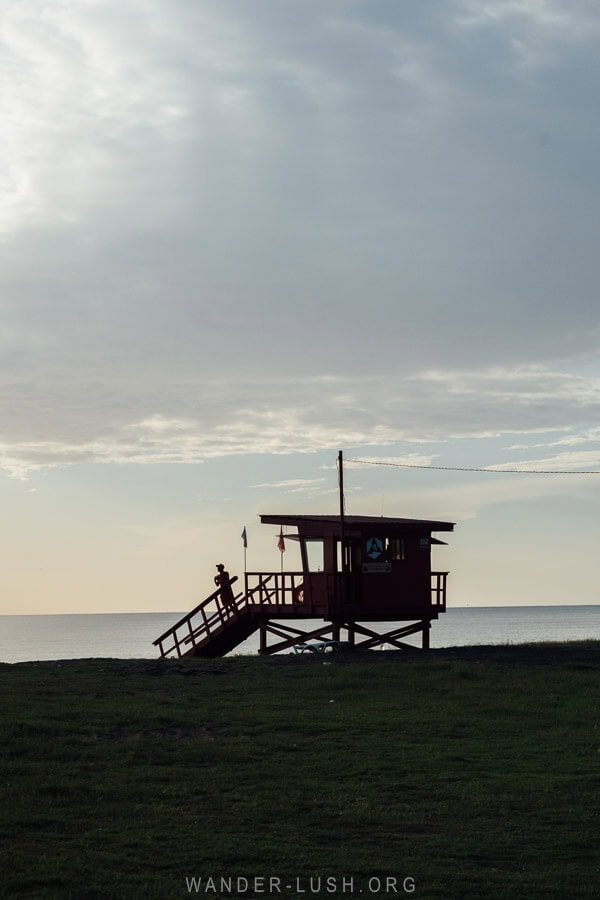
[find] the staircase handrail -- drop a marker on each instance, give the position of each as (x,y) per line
(218,618)
(190,615)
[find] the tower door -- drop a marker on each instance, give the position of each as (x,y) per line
(315,578)
(348,581)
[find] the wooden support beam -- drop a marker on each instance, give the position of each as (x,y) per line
(376,639)
(290,636)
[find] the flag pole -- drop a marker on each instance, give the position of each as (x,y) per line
(281,546)
(245,543)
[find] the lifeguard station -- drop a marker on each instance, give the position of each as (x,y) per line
(363,580)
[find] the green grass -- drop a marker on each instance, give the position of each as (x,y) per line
(477,775)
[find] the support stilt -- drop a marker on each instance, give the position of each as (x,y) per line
(426,628)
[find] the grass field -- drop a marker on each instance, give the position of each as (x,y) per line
(469,773)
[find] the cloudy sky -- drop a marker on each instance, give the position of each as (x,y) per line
(237,236)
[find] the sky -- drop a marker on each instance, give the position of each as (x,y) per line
(238,236)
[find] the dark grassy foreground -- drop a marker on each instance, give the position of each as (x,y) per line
(473,772)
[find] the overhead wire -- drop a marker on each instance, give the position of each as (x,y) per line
(487,471)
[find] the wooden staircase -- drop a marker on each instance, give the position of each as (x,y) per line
(213,629)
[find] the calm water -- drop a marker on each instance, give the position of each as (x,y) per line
(130,636)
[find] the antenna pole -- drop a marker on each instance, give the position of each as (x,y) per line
(342,526)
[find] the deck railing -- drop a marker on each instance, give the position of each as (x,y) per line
(438,590)
(286,588)
(274,588)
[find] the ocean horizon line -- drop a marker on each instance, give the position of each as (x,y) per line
(175,612)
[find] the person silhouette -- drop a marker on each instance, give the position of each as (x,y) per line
(222,582)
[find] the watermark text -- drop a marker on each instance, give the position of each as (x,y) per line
(315,885)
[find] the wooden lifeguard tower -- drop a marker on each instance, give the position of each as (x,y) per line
(356,572)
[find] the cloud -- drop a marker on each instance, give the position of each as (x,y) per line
(295,485)
(571,461)
(585,437)
(233,228)
(307,416)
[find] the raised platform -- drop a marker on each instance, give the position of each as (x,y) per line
(215,629)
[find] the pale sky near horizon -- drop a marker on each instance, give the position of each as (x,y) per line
(236,237)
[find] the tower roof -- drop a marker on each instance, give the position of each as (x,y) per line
(322,525)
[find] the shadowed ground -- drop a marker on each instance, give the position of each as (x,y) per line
(474,771)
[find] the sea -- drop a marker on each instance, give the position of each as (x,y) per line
(130,635)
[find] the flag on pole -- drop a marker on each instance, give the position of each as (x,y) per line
(244,538)
(281,542)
